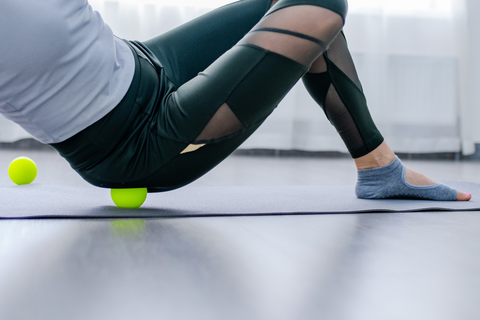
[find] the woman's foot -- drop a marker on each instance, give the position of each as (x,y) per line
(383,156)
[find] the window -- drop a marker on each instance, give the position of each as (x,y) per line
(181,3)
(402,7)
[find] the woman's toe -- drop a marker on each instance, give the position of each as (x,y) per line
(463,196)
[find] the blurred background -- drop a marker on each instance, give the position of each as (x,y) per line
(416,60)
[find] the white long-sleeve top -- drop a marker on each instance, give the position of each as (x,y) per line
(61,67)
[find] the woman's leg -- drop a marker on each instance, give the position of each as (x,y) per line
(334,84)
(211,114)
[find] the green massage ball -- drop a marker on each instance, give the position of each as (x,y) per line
(22,170)
(129,198)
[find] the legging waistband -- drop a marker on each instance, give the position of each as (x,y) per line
(81,149)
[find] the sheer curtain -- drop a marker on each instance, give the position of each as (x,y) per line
(405,53)
(415,59)
(467,26)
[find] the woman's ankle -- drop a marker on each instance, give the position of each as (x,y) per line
(379,157)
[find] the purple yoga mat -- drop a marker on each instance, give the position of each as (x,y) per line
(55,201)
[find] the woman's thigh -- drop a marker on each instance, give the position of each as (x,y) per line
(247,80)
(190,48)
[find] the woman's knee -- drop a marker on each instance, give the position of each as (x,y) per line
(299,32)
(274,2)
(338,6)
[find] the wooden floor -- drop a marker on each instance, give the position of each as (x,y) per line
(364,266)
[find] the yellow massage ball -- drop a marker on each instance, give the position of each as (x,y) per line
(129,198)
(22,170)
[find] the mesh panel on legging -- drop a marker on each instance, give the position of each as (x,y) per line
(338,91)
(300,33)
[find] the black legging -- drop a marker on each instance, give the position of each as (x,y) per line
(198,93)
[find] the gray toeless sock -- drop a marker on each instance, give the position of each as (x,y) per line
(388,182)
